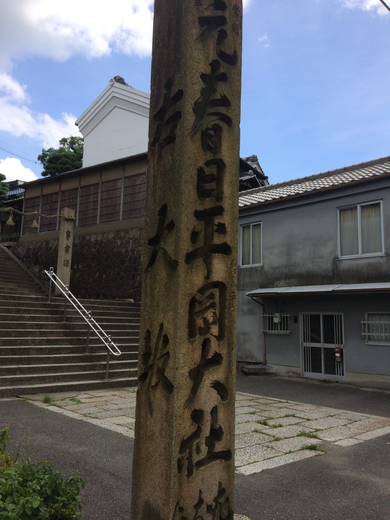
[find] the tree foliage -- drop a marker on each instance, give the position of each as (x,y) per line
(69,156)
(4,187)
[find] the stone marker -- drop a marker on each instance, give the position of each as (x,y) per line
(65,245)
(184,435)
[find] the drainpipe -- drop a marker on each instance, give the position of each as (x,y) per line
(252,297)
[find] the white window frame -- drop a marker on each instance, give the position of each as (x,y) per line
(382,328)
(250,225)
(276,323)
(359,206)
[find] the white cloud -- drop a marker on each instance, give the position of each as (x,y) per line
(59,31)
(19,120)
(366,5)
(14,170)
(12,89)
(264,40)
(246,3)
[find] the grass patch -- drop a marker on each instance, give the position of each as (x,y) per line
(75,400)
(261,431)
(265,422)
(312,447)
(47,399)
(308,434)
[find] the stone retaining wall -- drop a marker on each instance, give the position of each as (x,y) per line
(106,262)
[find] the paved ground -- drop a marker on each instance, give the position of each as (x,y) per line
(269,432)
(350,481)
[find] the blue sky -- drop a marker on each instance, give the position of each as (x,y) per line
(315,79)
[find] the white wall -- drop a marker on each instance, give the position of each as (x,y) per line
(115,125)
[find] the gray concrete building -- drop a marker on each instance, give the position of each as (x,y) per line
(314,253)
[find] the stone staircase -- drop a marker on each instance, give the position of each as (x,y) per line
(39,353)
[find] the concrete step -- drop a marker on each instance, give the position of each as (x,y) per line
(8,312)
(70,325)
(65,358)
(51,339)
(39,352)
(63,349)
(67,377)
(116,363)
(78,386)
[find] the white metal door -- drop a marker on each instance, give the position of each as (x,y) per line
(321,333)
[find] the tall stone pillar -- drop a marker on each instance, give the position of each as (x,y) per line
(65,245)
(184,434)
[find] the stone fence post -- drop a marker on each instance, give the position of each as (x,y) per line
(184,433)
(65,244)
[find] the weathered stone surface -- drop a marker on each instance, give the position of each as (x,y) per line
(184,434)
(65,246)
(104,265)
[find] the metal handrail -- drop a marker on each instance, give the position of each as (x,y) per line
(87,316)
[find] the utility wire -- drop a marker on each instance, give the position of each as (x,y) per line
(17,155)
(384,3)
(16,148)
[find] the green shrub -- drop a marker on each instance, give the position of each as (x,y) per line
(32,491)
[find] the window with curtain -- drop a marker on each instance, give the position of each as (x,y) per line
(376,328)
(251,244)
(361,230)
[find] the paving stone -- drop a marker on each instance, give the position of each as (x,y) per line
(286,421)
(123,420)
(113,427)
(244,409)
(280,412)
(336,434)
(247,427)
(353,429)
(269,400)
(371,423)
(123,402)
(92,410)
(275,462)
(253,454)
(243,397)
(287,431)
(116,407)
(347,442)
(312,415)
(268,407)
(77,406)
(245,402)
(110,413)
(294,444)
(94,400)
(250,439)
(254,451)
(64,412)
(374,434)
(326,422)
(101,393)
(245,418)
(352,416)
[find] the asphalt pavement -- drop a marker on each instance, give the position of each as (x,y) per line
(346,483)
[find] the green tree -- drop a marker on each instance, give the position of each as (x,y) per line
(4,187)
(69,156)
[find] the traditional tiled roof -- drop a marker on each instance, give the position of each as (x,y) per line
(321,181)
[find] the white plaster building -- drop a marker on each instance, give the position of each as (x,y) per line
(116,124)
